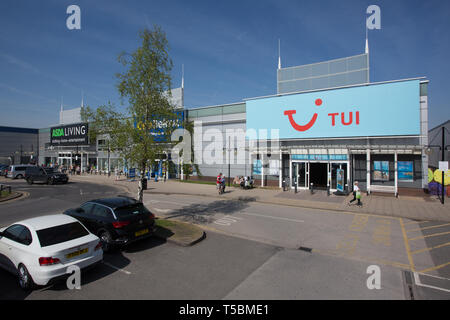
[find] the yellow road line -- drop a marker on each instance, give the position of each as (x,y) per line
(411,222)
(363,259)
(408,250)
(431,227)
(428,249)
(430,235)
(436,267)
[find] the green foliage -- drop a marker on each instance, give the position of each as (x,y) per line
(146,83)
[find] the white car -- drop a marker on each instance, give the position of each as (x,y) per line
(40,250)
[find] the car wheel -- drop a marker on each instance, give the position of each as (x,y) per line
(50,181)
(105,238)
(25,280)
(19,176)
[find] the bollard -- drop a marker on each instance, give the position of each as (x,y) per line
(312,188)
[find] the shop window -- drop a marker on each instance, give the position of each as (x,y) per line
(360,172)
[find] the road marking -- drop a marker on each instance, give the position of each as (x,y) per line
(411,222)
(227,221)
(431,227)
(161,210)
(435,268)
(429,249)
(270,217)
(408,249)
(419,283)
(430,235)
(114,267)
(364,259)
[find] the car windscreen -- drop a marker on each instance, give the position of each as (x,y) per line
(61,233)
(131,210)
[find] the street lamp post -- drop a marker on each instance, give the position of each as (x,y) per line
(229,159)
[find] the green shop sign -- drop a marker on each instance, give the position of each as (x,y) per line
(69,135)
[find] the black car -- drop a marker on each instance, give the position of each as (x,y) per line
(116,221)
(45,175)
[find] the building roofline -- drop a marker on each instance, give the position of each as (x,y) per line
(326,61)
(216,106)
(441,125)
(334,88)
(18,129)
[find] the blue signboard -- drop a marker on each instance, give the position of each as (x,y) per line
(319,157)
(132,173)
(405,170)
(373,110)
(158,132)
(257,167)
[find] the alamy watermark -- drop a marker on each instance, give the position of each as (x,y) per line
(374,280)
(73,22)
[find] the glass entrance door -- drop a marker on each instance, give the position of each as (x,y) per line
(298,174)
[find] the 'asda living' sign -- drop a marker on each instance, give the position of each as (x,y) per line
(74,134)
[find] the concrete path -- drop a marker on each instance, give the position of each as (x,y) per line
(426,208)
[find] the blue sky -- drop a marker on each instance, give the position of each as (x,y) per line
(229,48)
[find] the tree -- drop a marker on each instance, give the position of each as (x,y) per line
(146,83)
(140,135)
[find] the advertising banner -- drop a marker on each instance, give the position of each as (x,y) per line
(340,180)
(160,125)
(257,167)
(381,170)
(387,109)
(69,135)
(405,170)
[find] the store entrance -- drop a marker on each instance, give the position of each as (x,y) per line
(318,173)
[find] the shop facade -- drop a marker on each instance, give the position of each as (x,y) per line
(373,133)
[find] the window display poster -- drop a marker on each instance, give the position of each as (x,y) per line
(340,180)
(405,170)
(257,167)
(381,170)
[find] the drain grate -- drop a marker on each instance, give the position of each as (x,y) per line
(305,249)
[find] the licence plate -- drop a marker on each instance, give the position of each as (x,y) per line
(140,233)
(76,253)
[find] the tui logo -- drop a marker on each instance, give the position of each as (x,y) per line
(307,126)
(311,122)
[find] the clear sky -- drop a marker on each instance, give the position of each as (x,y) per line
(229,48)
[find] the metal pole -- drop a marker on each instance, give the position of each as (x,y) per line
(443,159)
(229,162)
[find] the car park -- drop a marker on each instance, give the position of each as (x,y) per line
(117,221)
(44,175)
(40,250)
(18,171)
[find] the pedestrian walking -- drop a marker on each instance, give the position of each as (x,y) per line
(356,194)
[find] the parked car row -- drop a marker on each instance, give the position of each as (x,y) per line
(34,173)
(40,250)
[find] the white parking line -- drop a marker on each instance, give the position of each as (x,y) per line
(227,221)
(161,210)
(270,217)
(419,283)
(118,269)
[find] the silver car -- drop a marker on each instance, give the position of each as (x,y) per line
(17,171)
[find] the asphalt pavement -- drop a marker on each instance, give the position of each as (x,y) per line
(251,251)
